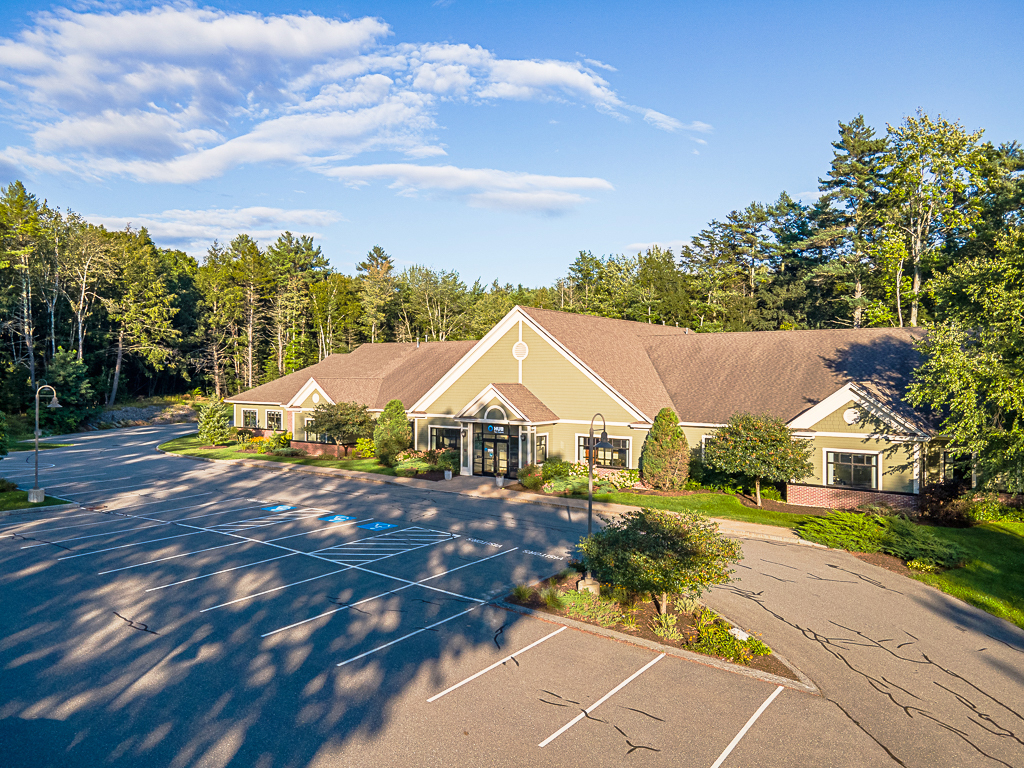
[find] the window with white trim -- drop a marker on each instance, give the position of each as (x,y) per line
(445,438)
(275,420)
(851,470)
(616,457)
(250,419)
(541,452)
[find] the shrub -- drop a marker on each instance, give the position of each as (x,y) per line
(392,434)
(555,469)
(243,436)
(714,639)
(7,486)
(665,457)
(364,449)
(624,478)
(531,477)
(893,535)
(448,460)
(3,434)
(552,598)
(522,592)
(213,423)
(988,508)
(342,423)
(289,452)
(579,469)
(660,553)
(68,375)
(589,607)
(664,626)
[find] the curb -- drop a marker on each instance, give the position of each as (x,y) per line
(409,482)
(804,684)
(33,510)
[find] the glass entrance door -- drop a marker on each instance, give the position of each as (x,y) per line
(496,454)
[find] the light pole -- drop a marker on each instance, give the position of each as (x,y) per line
(37,495)
(589,583)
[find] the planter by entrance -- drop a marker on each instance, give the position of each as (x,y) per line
(447,474)
(499,480)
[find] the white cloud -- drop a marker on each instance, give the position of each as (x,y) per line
(178,94)
(483,187)
(194,230)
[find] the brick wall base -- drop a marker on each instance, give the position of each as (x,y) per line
(322,449)
(846,498)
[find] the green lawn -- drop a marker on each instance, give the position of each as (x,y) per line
(713,504)
(190,445)
(993,578)
(10,500)
(21,447)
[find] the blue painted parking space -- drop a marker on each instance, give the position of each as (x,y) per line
(336,518)
(278,508)
(378,526)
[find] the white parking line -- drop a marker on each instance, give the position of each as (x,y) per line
(94,535)
(411,634)
(170,557)
(225,570)
(742,733)
(471,678)
(601,701)
(123,546)
(391,592)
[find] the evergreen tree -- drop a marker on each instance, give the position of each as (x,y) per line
(760,447)
(67,374)
(392,435)
(214,426)
(665,457)
(376,291)
(3,434)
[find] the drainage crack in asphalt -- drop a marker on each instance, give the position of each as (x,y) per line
(862,577)
(640,711)
(136,624)
(835,648)
(19,537)
(499,631)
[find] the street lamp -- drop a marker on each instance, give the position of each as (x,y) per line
(589,583)
(37,495)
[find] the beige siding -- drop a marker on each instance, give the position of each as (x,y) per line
(552,378)
(896,461)
(423,434)
(563,440)
(867,424)
(261,414)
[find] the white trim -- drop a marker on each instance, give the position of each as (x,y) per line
(808,435)
(516,315)
(250,410)
(699,424)
(824,466)
(587,422)
(519,359)
(850,392)
(627,438)
(250,402)
(499,409)
(305,430)
(917,468)
(489,393)
(547,445)
(305,391)
(266,416)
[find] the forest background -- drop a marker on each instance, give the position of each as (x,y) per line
(919,224)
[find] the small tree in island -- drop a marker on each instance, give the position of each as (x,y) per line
(660,554)
(343,423)
(665,458)
(760,447)
(392,434)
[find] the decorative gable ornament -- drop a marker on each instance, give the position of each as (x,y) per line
(851,415)
(520,350)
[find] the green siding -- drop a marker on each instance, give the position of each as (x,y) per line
(868,424)
(893,457)
(546,373)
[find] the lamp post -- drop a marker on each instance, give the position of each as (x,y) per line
(589,583)
(37,495)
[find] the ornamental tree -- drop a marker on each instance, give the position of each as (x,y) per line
(660,554)
(665,458)
(214,428)
(392,434)
(344,423)
(761,447)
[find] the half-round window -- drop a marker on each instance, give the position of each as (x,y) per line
(494,413)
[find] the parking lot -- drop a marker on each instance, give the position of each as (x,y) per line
(200,614)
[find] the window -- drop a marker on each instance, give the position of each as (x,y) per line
(311,437)
(854,470)
(617,456)
(444,438)
(542,449)
(275,420)
(250,419)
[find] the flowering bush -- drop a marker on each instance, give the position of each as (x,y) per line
(364,448)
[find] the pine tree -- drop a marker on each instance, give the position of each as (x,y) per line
(377,290)
(213,423)
(392,434)
(665,458)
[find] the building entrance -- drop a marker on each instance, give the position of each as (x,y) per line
(496,450)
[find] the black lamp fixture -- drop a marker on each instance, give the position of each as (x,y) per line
(589,583)
(37,494)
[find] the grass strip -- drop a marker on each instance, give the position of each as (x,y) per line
(191,445)
(12,500)
(711,504)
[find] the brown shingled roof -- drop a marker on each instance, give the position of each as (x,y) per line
(524,401)
(372,374)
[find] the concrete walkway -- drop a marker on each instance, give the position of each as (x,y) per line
(486,488)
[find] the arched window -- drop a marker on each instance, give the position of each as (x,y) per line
(494,409)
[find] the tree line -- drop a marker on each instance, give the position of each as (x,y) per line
(907,225)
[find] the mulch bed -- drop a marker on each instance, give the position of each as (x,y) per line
(883,560)
(647,611)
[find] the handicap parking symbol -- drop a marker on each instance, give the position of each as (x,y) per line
(278,508)
(335,518)
(378,526)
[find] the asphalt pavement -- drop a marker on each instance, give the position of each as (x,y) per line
(201,614)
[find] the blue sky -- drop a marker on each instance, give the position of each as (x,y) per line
(494,138)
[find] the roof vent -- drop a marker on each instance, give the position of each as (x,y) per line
(520,350)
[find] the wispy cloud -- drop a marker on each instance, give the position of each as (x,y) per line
(482,187)
(194,230)
(180,94)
